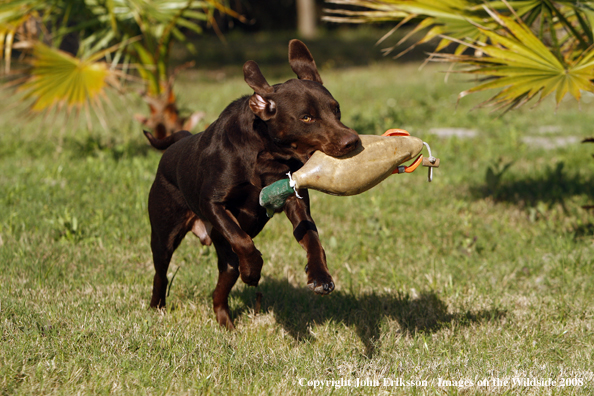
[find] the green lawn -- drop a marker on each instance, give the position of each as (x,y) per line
(486,273)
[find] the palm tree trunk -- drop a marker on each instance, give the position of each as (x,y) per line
(306,18)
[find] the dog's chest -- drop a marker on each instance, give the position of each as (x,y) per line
(268,170)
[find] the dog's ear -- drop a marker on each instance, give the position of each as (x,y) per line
(302,62)
(255,79)
(264,108)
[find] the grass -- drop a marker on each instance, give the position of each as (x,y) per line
(486,273)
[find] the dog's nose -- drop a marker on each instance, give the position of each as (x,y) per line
(349,142)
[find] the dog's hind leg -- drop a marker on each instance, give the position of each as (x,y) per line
(228,273)
(169,224)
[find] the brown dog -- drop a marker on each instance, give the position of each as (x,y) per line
(209,183)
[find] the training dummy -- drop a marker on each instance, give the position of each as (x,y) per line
(374,160)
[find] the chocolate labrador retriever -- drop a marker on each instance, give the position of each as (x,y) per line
(209,183)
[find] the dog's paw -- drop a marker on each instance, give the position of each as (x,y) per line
(250,269)
(321,286)
(250,279)
(158,302)
(224,319)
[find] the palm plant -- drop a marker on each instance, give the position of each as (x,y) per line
(113,38)
(524,47)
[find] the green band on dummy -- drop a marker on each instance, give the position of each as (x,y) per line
(273,197)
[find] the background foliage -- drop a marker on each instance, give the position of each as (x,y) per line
(526,47)
(75,49)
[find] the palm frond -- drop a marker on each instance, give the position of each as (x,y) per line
(523,48)
(56,78)
(13,16)
(523,66)
(134,34)
(453,18)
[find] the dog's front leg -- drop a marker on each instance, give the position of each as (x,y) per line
(306,233)
(250,258)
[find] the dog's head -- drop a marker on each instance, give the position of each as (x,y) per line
(300,114)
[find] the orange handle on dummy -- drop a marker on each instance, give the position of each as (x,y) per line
(408,169)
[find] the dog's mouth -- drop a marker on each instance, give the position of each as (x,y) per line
(303,155)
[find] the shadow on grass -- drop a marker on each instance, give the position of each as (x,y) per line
(584,231)
(553,186)
(298,309)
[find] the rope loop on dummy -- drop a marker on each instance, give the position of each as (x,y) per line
(293,183)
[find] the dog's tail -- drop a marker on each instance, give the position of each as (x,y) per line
(162,144)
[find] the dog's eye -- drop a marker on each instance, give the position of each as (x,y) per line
(307,118)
